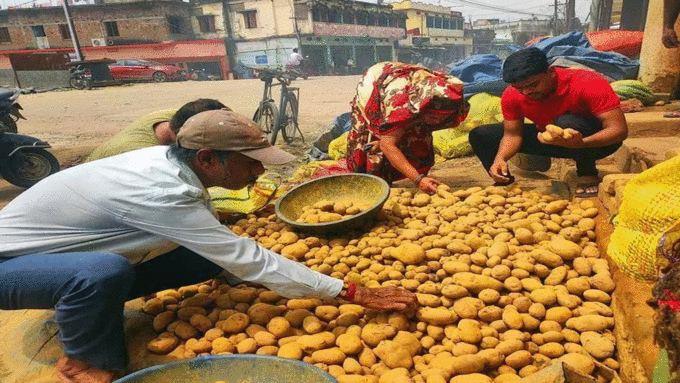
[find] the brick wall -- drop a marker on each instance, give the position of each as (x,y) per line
(141,22)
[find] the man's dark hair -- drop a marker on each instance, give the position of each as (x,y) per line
(524,64)
(191,108)
(295,50)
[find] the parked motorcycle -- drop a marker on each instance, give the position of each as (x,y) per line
(202,75)
(24,160)
(81,78)
(9,109)
(296,72)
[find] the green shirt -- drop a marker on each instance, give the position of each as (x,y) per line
(140,134)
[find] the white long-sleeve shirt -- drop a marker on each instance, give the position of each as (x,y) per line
(141,204)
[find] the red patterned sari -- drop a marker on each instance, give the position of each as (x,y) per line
(394,96)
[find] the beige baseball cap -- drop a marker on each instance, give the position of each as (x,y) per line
(225,130)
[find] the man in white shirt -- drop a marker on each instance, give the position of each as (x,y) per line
(87,239)
(295,59)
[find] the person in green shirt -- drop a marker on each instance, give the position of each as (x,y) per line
(157,128)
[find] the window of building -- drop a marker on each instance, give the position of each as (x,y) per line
(383,21)
(394,21)
(111,28)
(176,25)
(438,22)
(301,11)
(64,31)
(370,19)
(362,18)
(446,23)
(38,30)
(4,35)
(250,19)
(430,21)
(334,16)
(347,16)
(320,13)
(206,23)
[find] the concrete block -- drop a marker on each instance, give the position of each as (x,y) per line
(672,153)
(607,201)
(622,159)
(618,197)
(610,169)
(636,166)
(608,183)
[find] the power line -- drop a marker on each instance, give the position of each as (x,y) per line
(496,8)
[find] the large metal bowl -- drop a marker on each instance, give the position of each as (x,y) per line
(364,187)
(244,368)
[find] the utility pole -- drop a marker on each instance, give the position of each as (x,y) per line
(594,16)
(297,30)
(72,30)
(229,44)
(570,15)
(556,30)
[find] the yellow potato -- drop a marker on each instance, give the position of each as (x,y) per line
(547,136)
(163,344)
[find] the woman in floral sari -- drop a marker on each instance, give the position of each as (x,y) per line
(395,111)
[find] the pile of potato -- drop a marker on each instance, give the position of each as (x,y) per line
(508,282)
(330,211)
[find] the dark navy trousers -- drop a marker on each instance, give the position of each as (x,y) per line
(88,290)
(486,139)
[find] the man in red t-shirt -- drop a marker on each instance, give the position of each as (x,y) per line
(579,101)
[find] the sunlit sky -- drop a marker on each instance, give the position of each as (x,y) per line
(471,9)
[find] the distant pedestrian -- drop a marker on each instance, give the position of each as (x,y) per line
(295,59)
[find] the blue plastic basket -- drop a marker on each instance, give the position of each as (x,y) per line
(246,368)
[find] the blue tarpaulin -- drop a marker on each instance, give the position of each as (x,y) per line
(572,39)
(480,73)
(483,73)
(610,64)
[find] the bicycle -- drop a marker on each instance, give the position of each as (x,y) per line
(269,117)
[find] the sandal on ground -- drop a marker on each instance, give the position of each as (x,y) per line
(584,190)
(510,181)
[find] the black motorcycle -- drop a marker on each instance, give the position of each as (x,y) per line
(81,78)
(9,109)
(24,160)
(200,74)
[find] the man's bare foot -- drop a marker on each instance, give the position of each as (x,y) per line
(587,186)
(71,370)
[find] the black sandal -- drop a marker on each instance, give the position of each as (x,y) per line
(511,180)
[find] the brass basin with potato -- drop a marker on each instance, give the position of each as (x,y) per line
(365,188)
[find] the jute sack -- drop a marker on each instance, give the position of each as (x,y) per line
(650,209)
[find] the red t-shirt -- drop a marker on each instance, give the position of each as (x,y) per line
(579,91)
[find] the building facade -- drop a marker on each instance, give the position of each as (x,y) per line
(126,23)
(433,32)
(151,30)
(335,36)
(520,31)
